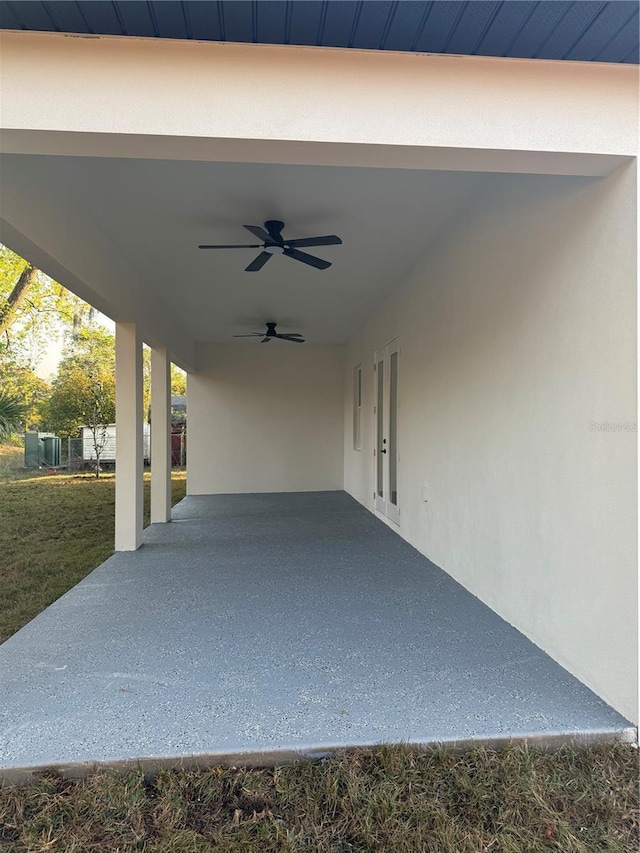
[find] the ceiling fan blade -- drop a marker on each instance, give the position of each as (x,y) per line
(250,335)
(266,340)
(258,232)
(244,246)
(294,340)
(304,258)
(259,262)
(329,240)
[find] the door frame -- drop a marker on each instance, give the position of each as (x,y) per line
(387,467)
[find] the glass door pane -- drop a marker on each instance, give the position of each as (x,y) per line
(380,429)
(393,428)
(357,408)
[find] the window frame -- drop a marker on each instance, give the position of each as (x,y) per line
(357,407)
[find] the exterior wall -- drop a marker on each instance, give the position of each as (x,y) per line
(518,336)
(266,419)
(69,95)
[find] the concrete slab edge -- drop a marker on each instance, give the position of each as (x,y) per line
(271,758)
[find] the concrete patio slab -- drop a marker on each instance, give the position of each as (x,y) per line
(259,627)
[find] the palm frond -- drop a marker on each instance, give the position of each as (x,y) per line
(12,414)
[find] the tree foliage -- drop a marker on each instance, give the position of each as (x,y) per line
(20,381)
(178,381)
(83,391)
(14,301)
(34,309)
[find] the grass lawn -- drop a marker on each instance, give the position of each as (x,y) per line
(391,799)
(11,458)
(54,529)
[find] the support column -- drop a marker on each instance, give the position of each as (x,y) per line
(129,462)
(160,436)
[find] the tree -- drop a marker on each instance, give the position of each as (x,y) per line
(33,309)
(12,304)
(178,381)
(20,381)
(83,391)
(12,413)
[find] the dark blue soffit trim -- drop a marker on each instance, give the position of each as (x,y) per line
(546,29)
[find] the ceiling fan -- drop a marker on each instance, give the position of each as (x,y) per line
(294,337)
(273,243)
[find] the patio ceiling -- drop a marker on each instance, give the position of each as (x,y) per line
(110,185)
(150,215)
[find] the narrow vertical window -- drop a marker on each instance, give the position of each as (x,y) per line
(357,408)
(380,439)
(393,428)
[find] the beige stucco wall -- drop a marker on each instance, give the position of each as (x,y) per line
(518,336)
(266,418)
(108,96)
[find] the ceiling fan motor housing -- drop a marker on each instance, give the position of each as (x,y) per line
(274,228)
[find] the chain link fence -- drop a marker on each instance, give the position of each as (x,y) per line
(179,448)
(74,460)
(76,454)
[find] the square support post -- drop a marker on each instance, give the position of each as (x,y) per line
(129,461)
(160,436)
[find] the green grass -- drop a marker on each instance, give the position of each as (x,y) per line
(54,529)
(390,799)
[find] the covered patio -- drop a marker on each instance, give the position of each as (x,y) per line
(466,388)
(262,627)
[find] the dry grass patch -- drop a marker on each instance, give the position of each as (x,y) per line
(54,530)
(11,460)
(391,799)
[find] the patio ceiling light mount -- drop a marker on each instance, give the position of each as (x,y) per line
(273,243)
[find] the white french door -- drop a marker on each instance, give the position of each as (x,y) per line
(385,453)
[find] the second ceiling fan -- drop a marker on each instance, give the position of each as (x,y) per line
(273,243)
(294,337)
